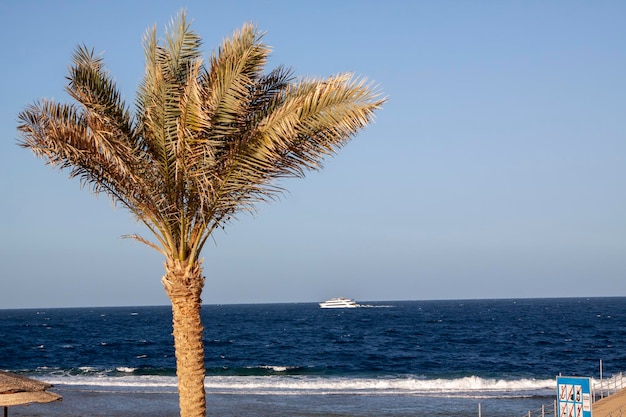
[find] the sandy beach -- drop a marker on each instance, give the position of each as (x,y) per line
(607,405)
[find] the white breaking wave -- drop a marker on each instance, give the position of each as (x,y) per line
(273,368)
(463,387)
(467,387)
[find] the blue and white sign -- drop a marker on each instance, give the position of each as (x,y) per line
(574,396)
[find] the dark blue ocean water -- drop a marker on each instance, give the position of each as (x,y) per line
(413,357)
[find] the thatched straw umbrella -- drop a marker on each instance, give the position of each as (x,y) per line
(18,390)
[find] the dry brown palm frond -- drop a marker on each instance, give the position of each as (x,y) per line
(206,141)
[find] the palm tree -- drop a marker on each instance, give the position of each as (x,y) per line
(206,141)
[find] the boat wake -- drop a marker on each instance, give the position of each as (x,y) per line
(375,306)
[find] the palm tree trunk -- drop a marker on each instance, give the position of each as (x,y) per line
(183,284)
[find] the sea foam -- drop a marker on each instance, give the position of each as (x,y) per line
(466,387)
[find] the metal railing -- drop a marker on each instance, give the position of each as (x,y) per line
(545,410)
(605,387)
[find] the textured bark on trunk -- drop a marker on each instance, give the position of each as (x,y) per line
(183,284)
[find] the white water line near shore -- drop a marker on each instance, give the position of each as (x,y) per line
(464,387)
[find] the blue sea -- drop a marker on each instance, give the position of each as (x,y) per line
(405,358)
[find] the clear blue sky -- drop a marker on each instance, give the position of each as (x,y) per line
(497,169)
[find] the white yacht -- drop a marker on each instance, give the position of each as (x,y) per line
(339,302)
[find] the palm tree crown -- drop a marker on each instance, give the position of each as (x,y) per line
(205,141)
